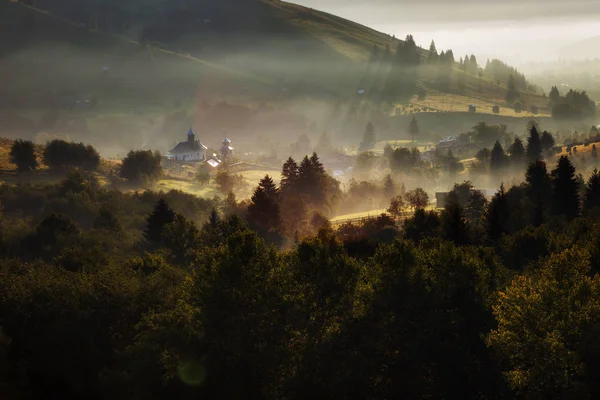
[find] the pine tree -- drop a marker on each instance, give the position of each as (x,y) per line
(565,189)
(263,211)
(433,57)
(517,152)
(496,215)
(547,142)
(214,219)
(369,139)
(413,128)
(497,159)
(554,95)
(539,191)
(389,187)
(592,192)
(512,93)
(289,175)
(161,216)
(454,225)
(534,146)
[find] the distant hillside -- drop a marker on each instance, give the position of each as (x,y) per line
(581,50)
(136,72)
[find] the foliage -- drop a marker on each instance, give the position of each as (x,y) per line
(141,166)
(59,154)
(417,198)
(369,140)
(22,154)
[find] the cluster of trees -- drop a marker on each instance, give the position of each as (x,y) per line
(57,155)
(538,147)
(138,167)
(573,105)
(158,295)
(306,194)
(500,72)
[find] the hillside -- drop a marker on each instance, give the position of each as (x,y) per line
(137,73)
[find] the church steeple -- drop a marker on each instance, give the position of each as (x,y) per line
(191,135)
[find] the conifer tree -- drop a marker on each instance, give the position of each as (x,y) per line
(496,215)
(517,152)
(534,146)
(539,191)
(565,189)
(263,212)
(497,159)
(433,57)
(454,225)
(547,142)
(594,154)
(413,128)
(389,187)
(161,216)
(289,175)
(369,139)
(592,192)
(512,93)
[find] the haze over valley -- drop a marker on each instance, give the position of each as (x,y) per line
(226,199)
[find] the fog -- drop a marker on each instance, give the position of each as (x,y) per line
(515,31)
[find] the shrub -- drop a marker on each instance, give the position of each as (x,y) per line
(65,155)
(22,154)
(140,166)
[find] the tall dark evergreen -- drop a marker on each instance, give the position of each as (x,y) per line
(539,192)
(389,187)
(565,189)
(547,142)
(433,56)
(594,154)
(534,146)
(414,128)
(497,159)
(263,211)
(592,192)
(512,93)
(454,224)
(159,218)
(517,153)
(496,216)
(289,175)
(369,139)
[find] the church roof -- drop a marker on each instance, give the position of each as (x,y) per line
(190,132)
(187,147)
(226,141)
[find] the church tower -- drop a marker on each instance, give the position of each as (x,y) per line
(191,136)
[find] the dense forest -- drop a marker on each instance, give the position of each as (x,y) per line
(105,294)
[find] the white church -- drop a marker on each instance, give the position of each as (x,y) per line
(194,150)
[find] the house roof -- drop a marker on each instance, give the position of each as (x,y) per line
(213,162)
(188,147)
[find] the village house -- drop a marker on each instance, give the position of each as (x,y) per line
(190,150)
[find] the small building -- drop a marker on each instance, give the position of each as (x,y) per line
(472,108)
(213,162)
(226,149)
(190,150)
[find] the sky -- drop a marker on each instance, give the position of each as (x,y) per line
(517,31)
